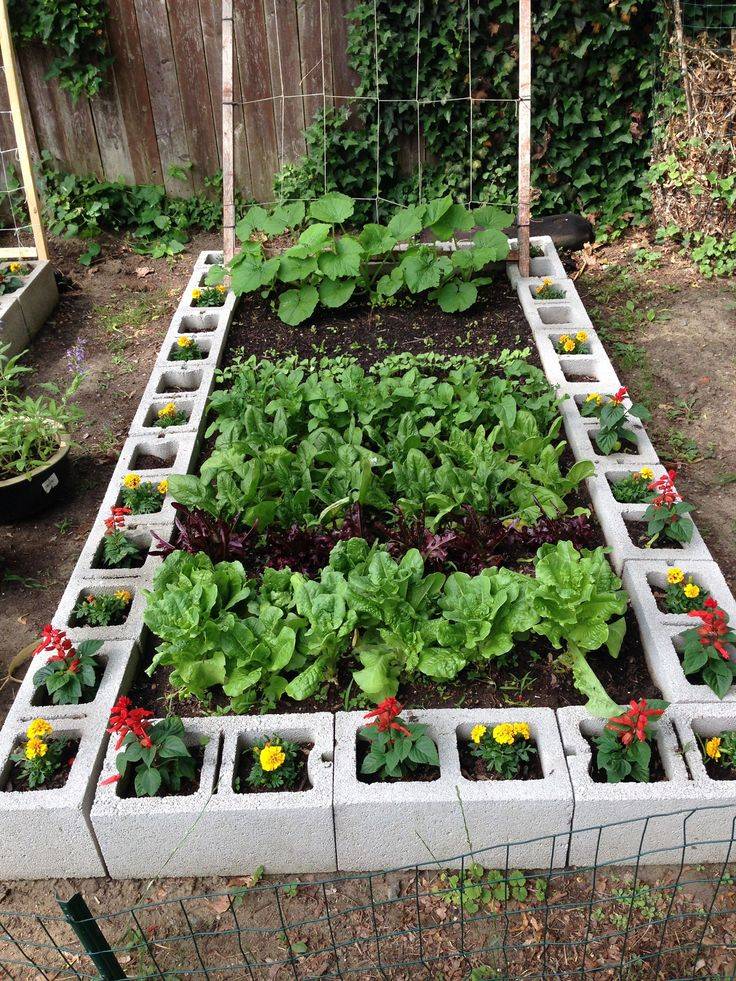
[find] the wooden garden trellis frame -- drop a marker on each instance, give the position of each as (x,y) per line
(40,249)
(524,135)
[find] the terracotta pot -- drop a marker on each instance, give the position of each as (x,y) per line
(29,493)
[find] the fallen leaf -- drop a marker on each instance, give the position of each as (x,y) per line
(142,271)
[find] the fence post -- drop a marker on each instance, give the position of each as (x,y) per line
(80,919)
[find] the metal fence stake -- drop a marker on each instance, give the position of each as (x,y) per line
(80,919)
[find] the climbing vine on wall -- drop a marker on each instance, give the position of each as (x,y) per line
(595,67)
(74,30)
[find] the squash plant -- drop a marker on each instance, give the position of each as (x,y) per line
(326,265)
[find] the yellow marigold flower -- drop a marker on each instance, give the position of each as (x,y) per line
(163,487)
(477,733)
(691,590)
(564,338)
(569,345)
(594,397)
(675,575)
(185,341)
(132,481)
(221,288)
(168,410)
(15,267)
(504,734)
(196,294)
(124,594)
(271,757)
(35,747)
(521,729)
(713,748)
(581,336)
(38,729)
(646,473)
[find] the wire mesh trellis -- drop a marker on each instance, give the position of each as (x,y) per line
(482,919)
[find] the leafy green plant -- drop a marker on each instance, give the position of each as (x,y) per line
(141,496)
(667,514)
(120,552)
(705,650)
(276,764)
(328,266)
(186,349)
(506,750)
(634,487)
(624,750)
(102,610)
(575,597)
(168,415)
(40,758)
(398,749)
(613,420)
(70,673)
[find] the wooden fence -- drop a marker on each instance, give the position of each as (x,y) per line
(160,109)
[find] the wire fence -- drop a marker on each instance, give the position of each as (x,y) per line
(652,915)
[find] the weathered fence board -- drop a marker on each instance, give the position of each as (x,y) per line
(161,104)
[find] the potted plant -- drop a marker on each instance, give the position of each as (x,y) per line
(719,753)
(573,343)
(10,277)
(635,487)
(34,441)
(614,432)
(142,496)
(682,594)
(103,610)
(119,551)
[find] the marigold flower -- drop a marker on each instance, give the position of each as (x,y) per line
(569,345)
(221,288)
(506,733)
(477,733)
(713,748)
(691,590)
(196,294)
(594,397)
(168,410)
(564,338)
(581,336)
(131,481)
(271,757)
(123,594)
(38,729)
(162,487)
(15,267)
(646,473)
(184,341)
(675,575)
(36,747)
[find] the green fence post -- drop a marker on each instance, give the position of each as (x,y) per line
(80,919)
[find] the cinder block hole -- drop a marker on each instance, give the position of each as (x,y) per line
(579,368)
(637,530)
(657,582)
(657,773)
(421,774)
(41,697)
(151,415)
(328,757)
(245,759)
(194,323)
(141,539)
(9,782)
(125,787)
(119,502)
(109,589)
(153,455)
(540,299)
(201,349)
(561,314)
(703,730)
(678,642)
(212,258)
(172,382)
(625,450)
(473,768)
(540,267)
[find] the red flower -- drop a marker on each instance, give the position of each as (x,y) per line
(665,486)
(116,521)
(714,628)
(620,396)
(113,779)
(384,716)
(633,724)
(125,719)
(53,640)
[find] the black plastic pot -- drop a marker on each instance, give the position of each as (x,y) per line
(28,494)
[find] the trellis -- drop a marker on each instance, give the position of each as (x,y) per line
(22,199)
(475,104)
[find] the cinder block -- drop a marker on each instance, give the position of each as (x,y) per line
(640,577)
(172,381)
(89,565)
(132,628)
(210,345)
(562,370)
(581,432)
(38,296)
(549,264)
(384,825)
(144,421)
(119,660)
(46,833)
(627,823)
(662,649)
(177,453)
(114,498)
(217,831)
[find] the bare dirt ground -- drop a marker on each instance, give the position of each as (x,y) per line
(670,334)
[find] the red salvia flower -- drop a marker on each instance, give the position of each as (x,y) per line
(714,627)
(620,395)
(633,724)
(116,521)
(56,642)
(665,487)
(124,719)
(384,716)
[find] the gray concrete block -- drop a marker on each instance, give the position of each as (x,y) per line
(172,381)
(177,453)
(38,296)
(549,264)
(563,370)
(383,825)
(581,432)
(144,421)
(663,649)
(642,576)
(631,809)
(132,627)
(113,498)
(13,328)
(89,565)
(46,833)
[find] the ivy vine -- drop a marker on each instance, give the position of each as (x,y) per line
(595,72)
(75,31)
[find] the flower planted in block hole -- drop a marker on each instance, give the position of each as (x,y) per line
(10,280)
(705,650)
(154,753)
(186,349)
(70,675)
(118,551)
(634,488)
(613,420)
(573,343)
(504,751)
(682,594)
(209,296)
(548,291)
(277,764)
(142,496)
(104,610)
(719,754)
(398,750)
(40,759)
(624,752)
(667,514)
(168,415)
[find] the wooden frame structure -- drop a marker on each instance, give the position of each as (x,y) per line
(524,116)
(40,249)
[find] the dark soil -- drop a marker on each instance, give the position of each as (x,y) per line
(42,699)
(126,788)
(132,562)
(245,765)
(473,768)
(656,768)
(16,782)
(640,537)
(717,772)
(423,773)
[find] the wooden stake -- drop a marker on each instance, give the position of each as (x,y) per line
(228,149)
(26,170)
(680,35)
(525,133)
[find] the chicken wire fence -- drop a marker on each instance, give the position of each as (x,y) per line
(651,915)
